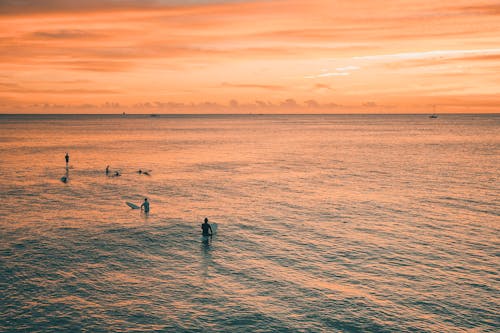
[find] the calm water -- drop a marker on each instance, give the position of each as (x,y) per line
(326,224)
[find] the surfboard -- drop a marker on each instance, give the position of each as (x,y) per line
(131,205)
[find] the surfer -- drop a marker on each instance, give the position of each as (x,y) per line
(107,170)
(205,227)
(145,205)
(67,160)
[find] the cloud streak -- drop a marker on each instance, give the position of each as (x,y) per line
(431,54)
(64,34)
(23,7)
(252,86)
(329,74)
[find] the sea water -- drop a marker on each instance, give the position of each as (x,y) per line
(326,223)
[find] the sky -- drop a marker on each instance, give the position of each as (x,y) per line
(267,56)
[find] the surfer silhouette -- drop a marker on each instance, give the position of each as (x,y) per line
(205,227)
(67,160)
(107,170)
(145,205)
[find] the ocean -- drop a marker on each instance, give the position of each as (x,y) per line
(326,223)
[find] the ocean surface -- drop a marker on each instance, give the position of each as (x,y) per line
(336,223)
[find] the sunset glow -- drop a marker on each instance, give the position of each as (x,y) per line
(249,56)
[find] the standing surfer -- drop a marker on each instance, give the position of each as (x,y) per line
(205,227)
(67,160)
(145,205)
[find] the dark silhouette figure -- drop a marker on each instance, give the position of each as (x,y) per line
(145,205)
(67,160)
(205,227)
(107,170)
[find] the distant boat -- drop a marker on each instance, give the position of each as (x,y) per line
(434,115)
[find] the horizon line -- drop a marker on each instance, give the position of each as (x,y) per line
(153,115)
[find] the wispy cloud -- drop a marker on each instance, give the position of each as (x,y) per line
(14,88)
(326,75)
(322,86)
(252,86)
(347,68)
(488,8)
(430,54)
(339,71)
(50,6)
(65,34)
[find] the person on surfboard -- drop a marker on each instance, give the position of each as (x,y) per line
(145,205)
(205,227)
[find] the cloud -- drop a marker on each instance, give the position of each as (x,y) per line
(429,54)
(55,91)
(347,68)
(488,9)
(71,6)
(252,86)
(369,104)
(322,86)
(289,103)
(311,103)
(262,104)
(326,75)
(339,71)
(106,66)
(64,34)
(481,58)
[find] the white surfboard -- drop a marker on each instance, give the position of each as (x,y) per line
(131,205)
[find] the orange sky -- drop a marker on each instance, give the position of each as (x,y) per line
(249,56)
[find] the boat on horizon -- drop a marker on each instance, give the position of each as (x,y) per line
(433,115)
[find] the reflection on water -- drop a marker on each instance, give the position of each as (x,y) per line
(327,223)
(206,258)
